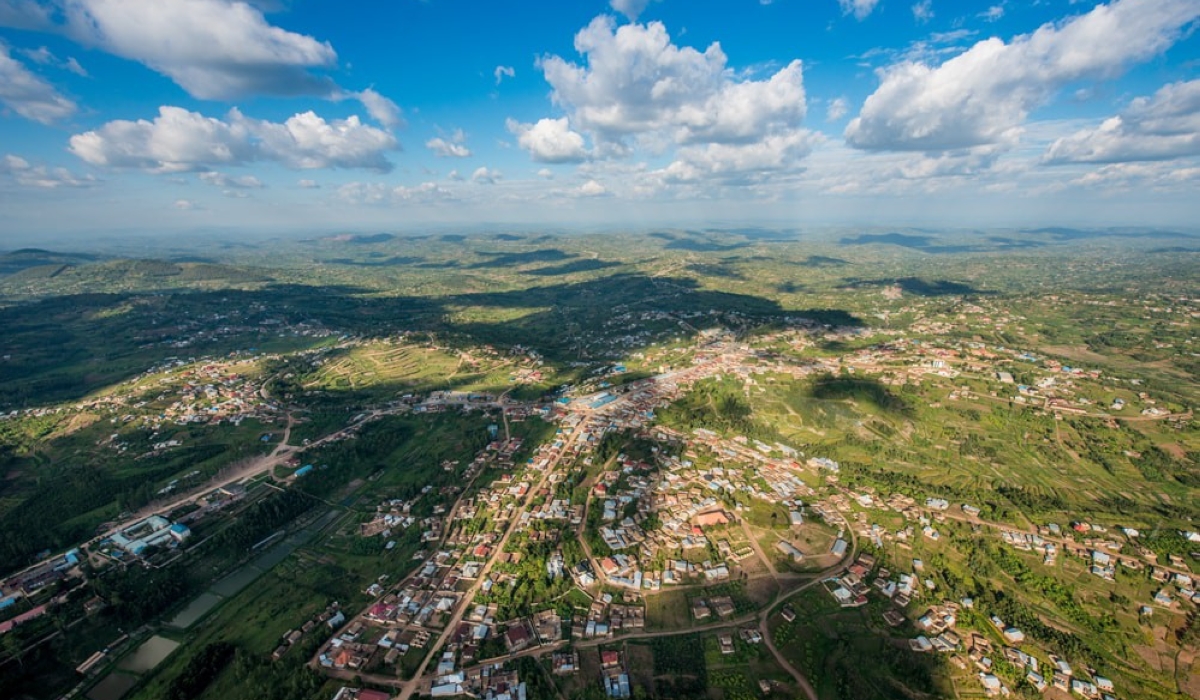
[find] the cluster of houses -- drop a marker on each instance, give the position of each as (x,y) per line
(330,616)
(420,609)
(605,617)
(614,676)
(720,606)
(1042,675)
(495,681)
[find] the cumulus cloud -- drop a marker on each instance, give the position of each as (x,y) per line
(485,176)
(740,162)
(546,174)
(983,95)
(309,184)
(861,9)
(1161,127)
(185,205)
(178,140)
(41,176)
(549,140)
(637,90)
(214,49)
(637,83)
(29,95)
(502,72)
(838,107)
(453,147)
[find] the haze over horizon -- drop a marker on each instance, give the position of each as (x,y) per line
(185,116)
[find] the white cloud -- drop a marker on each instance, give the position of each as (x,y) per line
(309,184)
(861,9)
(549,140)
(178,140)
(501,72)
(484,176)
(993,13)
(546,174)
(838,107)
(636,82)
(379,107)
(984,95)
(454,175)
(41,176)
(41,55)
(923,11)
(1131,176)
(1162,127)
(214,49)
(736,163)
(591,188)
(630,8)
(28,95)
(72,65)
(452,147)
(24,14)
(244,182)
(382,194)
(638,93)
(185,205)
(45,57)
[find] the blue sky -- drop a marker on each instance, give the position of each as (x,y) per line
(299,115)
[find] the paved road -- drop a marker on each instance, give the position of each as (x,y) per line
(411,686)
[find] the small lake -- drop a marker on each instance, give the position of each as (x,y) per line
(150,654)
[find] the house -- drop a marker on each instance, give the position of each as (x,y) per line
(565,662)
(790,550)
(610,659)
(991,684)
(712,519)
(723,605)
(517,638)
(617,686)
(1084,688)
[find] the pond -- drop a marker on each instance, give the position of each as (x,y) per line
(195,610)
(150,654)
(113,687)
